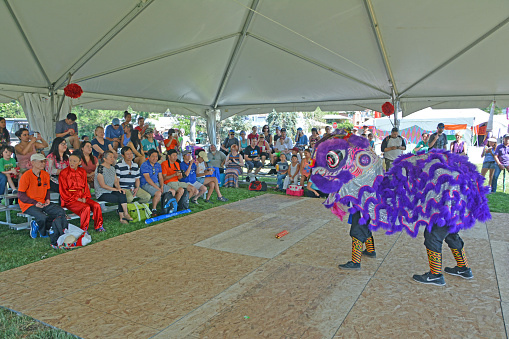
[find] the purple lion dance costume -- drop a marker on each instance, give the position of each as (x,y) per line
(440,191)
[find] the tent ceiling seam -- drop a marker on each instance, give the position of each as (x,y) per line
(380,43)
(105,39)
(459,54)
(236,52)
(27,42)
(316,63)
(159,57)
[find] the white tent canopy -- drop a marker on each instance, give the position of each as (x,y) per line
(428,119)
(253,56)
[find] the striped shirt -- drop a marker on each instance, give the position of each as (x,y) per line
(127,175)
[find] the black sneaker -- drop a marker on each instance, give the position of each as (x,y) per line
(463,272)
(429,278)
(247,179)
(350,266)
(272,171)
(369,254)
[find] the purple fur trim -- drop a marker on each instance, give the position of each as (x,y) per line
(403,191)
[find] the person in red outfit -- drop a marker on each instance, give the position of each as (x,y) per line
(75,194)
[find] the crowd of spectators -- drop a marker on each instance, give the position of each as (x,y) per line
(123,163)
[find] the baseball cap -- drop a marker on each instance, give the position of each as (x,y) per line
(441,125)
(506,135)
(148,131)
(203,155)
(492,139)
(283,129)
(115,121)
(186,152)
(394,129)
(299,129)
(232,131)
(37,156)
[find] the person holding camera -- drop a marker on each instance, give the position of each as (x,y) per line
(204,175)
(392,147)
(172,174)
(27,146)
(128,173)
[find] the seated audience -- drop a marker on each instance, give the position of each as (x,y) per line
(265,151)
(267,136)
(489,163)
(135,145)
(57,160)
(458,146)
(204,175)
(114,133)
(126,137)
(28,144)
(328,130)
(127,120)
(171,142)
(296,151)
(152,180)
(141,125)
(314,135)
(252,157)
(305,169)
(99,144)
(244,142)
(160,140)
(5,137)
(313,191)
(189,168)
(216,159)
(172,174)
(68,130)
(371,139)
(282,171)
(228,142)
(107,186)
(75,194)
(254,132)
(301,140)
(149,142)
(277,135)
(128,173)
(33,197)
(293,173)
(89,162)
(234,163)
(8,166)
(282,145)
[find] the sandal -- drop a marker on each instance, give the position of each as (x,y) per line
(124,222)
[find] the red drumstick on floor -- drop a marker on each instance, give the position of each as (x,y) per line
(281,234)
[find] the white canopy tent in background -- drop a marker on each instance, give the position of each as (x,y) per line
(253,56)
(428,119)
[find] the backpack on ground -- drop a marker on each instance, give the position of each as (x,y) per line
(183,203)
(168,203)
(295,190)
(257,186)
(139,211)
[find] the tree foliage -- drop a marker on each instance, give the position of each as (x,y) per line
(497,110)
(237,123)
(287,120)
(12,109)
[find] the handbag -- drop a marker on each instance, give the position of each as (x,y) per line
(295,190)
(257,186)
(139,211)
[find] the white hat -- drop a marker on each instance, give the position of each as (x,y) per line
(37,156)
(492,140)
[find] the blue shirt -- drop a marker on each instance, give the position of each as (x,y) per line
(503,154)
(103,147)
(112,133)
(191,178)
(303,140)
(153,172)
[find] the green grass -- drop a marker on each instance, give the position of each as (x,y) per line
(16,326)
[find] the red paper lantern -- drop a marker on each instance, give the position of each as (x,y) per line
(388,108)
(73,91)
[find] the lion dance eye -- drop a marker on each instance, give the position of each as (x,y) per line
(333,159)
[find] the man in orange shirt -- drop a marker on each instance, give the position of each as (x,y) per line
(171,142)
(172,174)
(33,196)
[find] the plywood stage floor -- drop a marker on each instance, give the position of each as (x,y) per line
(222,273)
